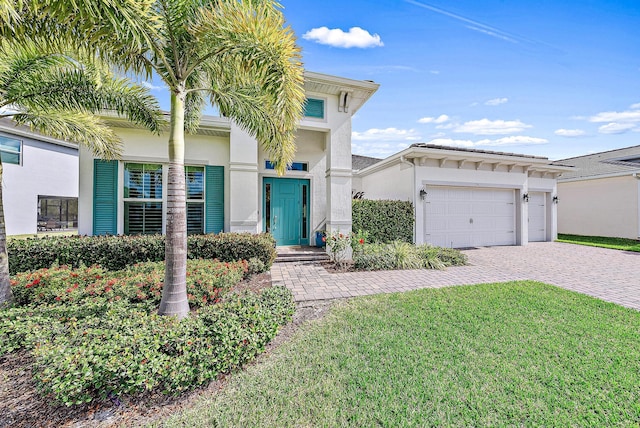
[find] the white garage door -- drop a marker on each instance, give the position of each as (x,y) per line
(537,217)
(468,217)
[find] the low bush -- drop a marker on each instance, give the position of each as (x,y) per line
(384,221)
(119,252)
(129,351)
(94,333)
(401,255)
(207,280)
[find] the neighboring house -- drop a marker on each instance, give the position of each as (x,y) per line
(231,184)
(468,198)
(601,196)
(40,180)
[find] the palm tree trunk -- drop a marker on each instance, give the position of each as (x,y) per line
(5,284)
(174,293)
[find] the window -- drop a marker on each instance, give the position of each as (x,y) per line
(314,108)
(57,212)
(296,166)
(10,150)
(142,198)
(143,195)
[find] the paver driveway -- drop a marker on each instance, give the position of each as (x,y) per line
(611,275)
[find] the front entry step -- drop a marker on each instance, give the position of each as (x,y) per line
(301,254)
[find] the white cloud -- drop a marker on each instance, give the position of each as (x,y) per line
(434,71)
(151,86)
(440,119)
(492,127)
(388,134)
(615,116)
(355,38)
(616,128)
(635,106)
(377,149)
(506,141)
(514,140)
(618,122)
(496,101)
(570,132)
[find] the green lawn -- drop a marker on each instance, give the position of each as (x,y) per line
(602,241)
(518,354)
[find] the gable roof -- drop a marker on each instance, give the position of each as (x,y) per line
(610,163)
(416,153)
(359,162)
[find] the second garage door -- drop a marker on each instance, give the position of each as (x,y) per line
(469,217)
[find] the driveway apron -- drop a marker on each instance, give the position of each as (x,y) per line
(610,275)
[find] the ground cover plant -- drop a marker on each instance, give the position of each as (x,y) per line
(94,334)
(601,241)
(511,354)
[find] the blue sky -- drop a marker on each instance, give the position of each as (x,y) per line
(546,77)
(550,78)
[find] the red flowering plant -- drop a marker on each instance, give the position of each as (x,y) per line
(358,241)
(338,245)
(207,282)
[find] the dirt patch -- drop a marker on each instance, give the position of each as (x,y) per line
(21,406)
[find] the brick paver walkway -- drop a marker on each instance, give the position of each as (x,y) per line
(611,275)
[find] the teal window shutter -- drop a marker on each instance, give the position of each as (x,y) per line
(314,108)
(105,197)
(214,204)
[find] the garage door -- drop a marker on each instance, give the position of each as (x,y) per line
(468,217)
(537,217)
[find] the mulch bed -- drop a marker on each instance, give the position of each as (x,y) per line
(21,406)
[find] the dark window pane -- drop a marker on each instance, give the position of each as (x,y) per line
(141,218)
(195,218)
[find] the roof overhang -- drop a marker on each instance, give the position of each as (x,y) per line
(209,125)
(10,127)
(357,91)
(417,154)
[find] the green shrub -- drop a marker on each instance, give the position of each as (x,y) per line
(128,351)
(384,221)
(401,255)
(119,252)
(207,281)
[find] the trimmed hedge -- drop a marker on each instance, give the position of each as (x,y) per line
(119,252)
(99,350)
(385,221)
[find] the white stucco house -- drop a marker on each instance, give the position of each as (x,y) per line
(601,195)
(231,184)
(40,180)
(465,197)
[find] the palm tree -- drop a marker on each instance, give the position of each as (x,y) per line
(235,54)
(57,95)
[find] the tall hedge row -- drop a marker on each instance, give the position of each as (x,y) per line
(385,221)
(118,252)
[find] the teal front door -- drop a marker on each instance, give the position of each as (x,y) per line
(286,210)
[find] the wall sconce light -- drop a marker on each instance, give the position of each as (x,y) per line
(555,199)
(525,197)
(423,194)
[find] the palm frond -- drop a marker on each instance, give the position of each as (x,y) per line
(246,48)
(76,126)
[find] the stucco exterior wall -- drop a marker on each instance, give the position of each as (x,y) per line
(47,169)
(395,182)
(600,207)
